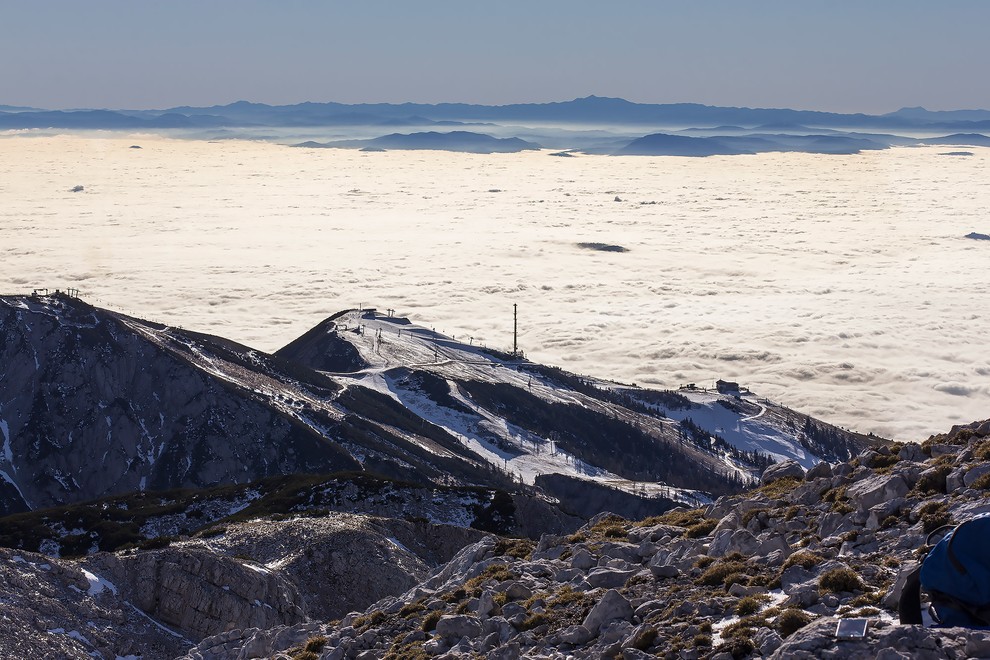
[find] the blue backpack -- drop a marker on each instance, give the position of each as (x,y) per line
(956,576)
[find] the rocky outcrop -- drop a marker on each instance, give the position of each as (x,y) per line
(201,593)
(259,575)
(884,640)
(53,608)
(338,562)
(763,574)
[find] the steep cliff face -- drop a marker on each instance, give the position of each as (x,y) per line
(200,593)
(94,403)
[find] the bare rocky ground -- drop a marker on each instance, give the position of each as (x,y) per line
(763,574)
(157,603)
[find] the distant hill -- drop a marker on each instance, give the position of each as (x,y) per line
(921,114)
(968,139)
(102,119)
(663,144)
(464,141)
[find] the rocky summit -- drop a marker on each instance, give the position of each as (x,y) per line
(764,574)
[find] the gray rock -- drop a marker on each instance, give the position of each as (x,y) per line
(782,470)
(975,473)
(873,490)
(884,510)
(576,634)
(911,452)
(455,626)
(613,605)
(821,470)
(741,541)
(583,560)
(767,641)
(486,603)
(954,480)
(664,571)
(518,591)
(609,578)
(457,567)
(636,654)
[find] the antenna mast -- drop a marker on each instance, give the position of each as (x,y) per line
(515,329)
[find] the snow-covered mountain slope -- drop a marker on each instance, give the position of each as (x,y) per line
(533,420)
(95,403)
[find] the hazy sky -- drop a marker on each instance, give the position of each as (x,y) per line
(844,56)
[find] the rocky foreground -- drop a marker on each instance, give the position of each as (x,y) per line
(763,574)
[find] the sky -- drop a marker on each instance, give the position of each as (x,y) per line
(834,55)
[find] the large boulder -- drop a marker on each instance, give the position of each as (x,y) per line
(782,470)
(869,492)
(612,606)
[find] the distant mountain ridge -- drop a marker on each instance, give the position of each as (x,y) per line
(590,109)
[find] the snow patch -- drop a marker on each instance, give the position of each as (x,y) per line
(8,454)
(97,584)
(6,477)
(395,542)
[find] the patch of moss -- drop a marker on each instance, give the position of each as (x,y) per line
(305,655)
(679,517)
(752,513)
(881,461)
(838,580)
(535,621)
(369,620)
(702,528)
(780,487)
(806,559)
(934,515)
(867,599)
(791,620)
(518,548)
(933,481)
(411,651)
(429,623)
(716,574)
(982,482)
(748,605)
(315,643)
(494,572)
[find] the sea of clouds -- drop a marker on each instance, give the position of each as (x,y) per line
(842,286)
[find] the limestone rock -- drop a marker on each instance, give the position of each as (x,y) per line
(782,470)
(202,594)
(613,605)
(876,489)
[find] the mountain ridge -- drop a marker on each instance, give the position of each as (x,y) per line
(97,403)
